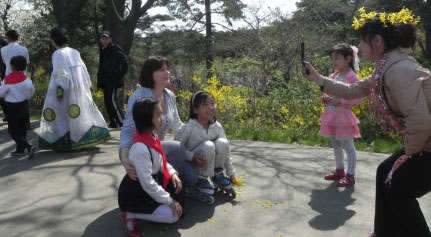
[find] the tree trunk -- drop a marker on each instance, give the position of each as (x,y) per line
(208,38)
(123,28)
(67,14)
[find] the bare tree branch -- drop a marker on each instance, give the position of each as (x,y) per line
(198,21)
(146,6)
(116,11)
(226,27)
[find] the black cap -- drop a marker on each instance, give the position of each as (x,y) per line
(106,34)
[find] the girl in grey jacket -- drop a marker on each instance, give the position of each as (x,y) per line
(207,145)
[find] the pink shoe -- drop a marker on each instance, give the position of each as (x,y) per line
(346,181)
(131,225)
(333,175)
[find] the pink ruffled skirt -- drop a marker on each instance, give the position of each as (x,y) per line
(340,124)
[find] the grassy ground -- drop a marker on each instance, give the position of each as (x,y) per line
(380,145)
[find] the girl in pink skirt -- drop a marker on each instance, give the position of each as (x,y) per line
(338,121)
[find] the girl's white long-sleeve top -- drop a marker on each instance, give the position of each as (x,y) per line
(140,157)
(193,133)
(18,92)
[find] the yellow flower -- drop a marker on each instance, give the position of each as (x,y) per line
(404,16)
(238,181)
(371,15)
(365,72)
(299,120)
(383,18)
(197,81)
(98,94)
(392,17)
(284,110)
(184,94)
(361,11)
(356,24)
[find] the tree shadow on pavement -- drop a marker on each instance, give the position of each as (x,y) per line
(11,165)
(109,224)
(5,138)
(331,204)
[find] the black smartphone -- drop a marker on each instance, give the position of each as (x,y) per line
(303,58)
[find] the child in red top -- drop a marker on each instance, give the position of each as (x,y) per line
(157,194)
(16,90)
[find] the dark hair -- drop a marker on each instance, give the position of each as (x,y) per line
(12,34)
(151,65)
(59,36)
(2,43)
(143,111)
(394,36)
(344,50)
(19,63)
(197,100)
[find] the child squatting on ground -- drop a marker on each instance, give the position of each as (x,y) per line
(338,121)
(207,145)
(157,194)
(16,90)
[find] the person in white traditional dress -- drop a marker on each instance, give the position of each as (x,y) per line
(70,119)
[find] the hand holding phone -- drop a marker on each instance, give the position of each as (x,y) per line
(303,58)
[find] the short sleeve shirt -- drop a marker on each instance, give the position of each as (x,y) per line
(11,50)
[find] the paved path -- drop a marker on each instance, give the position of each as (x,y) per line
(75,194)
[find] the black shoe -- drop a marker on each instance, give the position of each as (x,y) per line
(17,153)
(5,120)
(31,151)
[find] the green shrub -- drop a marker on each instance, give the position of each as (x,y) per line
(278,111)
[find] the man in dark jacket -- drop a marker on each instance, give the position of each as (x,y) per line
(113,65)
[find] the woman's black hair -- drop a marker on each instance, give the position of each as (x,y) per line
(344,50)
(59,36)
(143,111)
(394,36)
(198,99)
(151,65)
